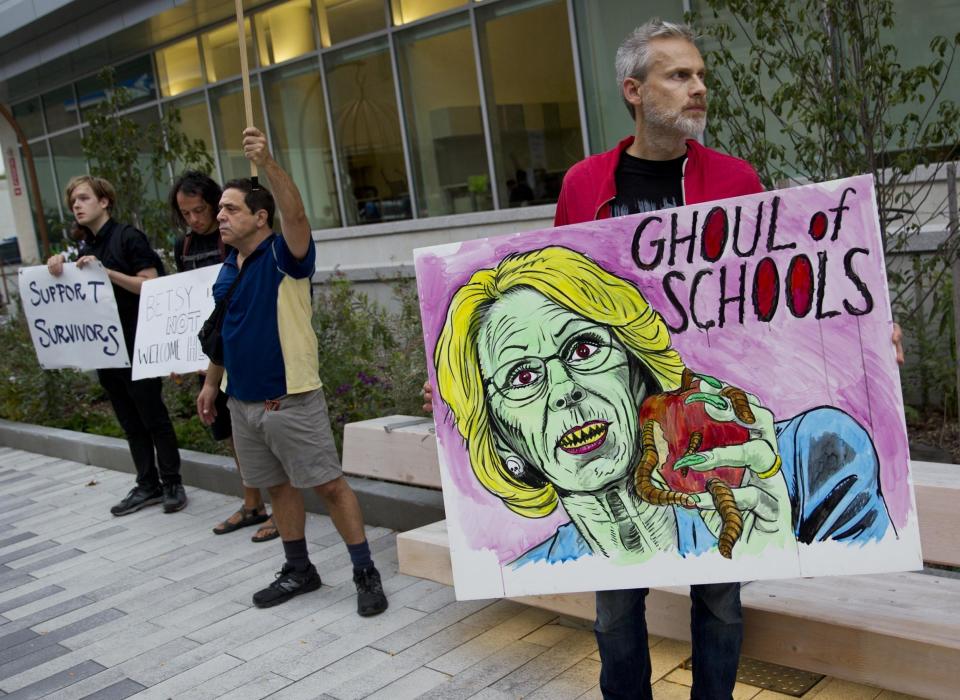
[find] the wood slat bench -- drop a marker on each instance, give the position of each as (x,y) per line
(393,448)
(895,631)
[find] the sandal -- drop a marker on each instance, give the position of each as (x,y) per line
(242,518)
(268,531)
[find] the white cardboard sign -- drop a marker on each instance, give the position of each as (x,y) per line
(172,311)
(73,318)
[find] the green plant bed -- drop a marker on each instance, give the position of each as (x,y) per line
(371,364)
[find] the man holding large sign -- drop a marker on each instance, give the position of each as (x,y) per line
(129,261)
(590,367)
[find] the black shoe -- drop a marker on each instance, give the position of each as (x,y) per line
(289,583)
(370,597)
(138,498)
(174,498)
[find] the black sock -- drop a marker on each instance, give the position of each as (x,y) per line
(360,556)
(296,553)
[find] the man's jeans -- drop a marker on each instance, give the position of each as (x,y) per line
(716,627)
(143,416)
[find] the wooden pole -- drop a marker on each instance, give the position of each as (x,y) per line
(32,177)
(245,78)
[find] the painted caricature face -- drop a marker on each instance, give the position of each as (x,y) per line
(559,388)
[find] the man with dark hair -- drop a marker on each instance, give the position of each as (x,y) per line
(194,200)
(129,261)
(280,425)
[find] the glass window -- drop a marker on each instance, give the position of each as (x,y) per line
(136,76)
(149,118)
(600,35)
(284,32)
(68,159)
(221,51)
(178,67)
(29,118)
(60,108)
(50,196)
(194,120)
(226,105)
(532,97)
(362,96)
(301,141)
(345,19)
(442,103)
(406,11)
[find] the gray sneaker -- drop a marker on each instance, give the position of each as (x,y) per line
(138,498)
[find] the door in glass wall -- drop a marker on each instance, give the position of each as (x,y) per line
(29,118)
(68,159)
(406,11)
(60,109)
(194,122)
(284,32)
(156,184)
(599,34)
(226,106)
(178,67)
(442,103)
(341,20)
(367,126)
(50,196)
(135,76)
(301,140)
(531,97)
(221,51)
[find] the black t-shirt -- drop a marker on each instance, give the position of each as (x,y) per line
(647,185)
(204,250)
(123,248)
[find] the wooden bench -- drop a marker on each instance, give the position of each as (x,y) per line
(394,448)
(895,631)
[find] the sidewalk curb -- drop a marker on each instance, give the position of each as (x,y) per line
(395,506)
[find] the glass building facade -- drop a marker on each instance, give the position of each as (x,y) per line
(386,110)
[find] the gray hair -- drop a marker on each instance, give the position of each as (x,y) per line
(633,56)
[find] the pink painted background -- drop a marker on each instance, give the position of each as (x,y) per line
(792,364)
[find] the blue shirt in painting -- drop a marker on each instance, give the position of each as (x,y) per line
(833,480)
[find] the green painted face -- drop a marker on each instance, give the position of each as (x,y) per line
(559,388)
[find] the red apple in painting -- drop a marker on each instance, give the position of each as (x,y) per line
(680,422)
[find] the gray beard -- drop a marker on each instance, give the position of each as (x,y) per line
(688,127)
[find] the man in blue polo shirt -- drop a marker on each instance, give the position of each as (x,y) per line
(281,430)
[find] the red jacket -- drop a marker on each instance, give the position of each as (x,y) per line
(590,185)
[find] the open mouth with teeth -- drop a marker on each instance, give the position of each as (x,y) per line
(584,438)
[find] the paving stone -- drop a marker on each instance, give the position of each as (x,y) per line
(28,662)
(492,641)
(486,672)
(14,539)
(117,691)
(413,685)
(8,653)
(29,550)
(260,687)
(177,685)
(547,665)
(345,670)
(15,581)
(57,681)
(20,601)
(47,562)
(572,683)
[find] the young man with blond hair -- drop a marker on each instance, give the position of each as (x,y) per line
(129,260)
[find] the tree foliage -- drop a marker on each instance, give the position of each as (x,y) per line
(140,161)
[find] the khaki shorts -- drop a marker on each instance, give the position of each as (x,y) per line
(285,440)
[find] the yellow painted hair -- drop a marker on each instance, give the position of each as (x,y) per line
(576,283)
